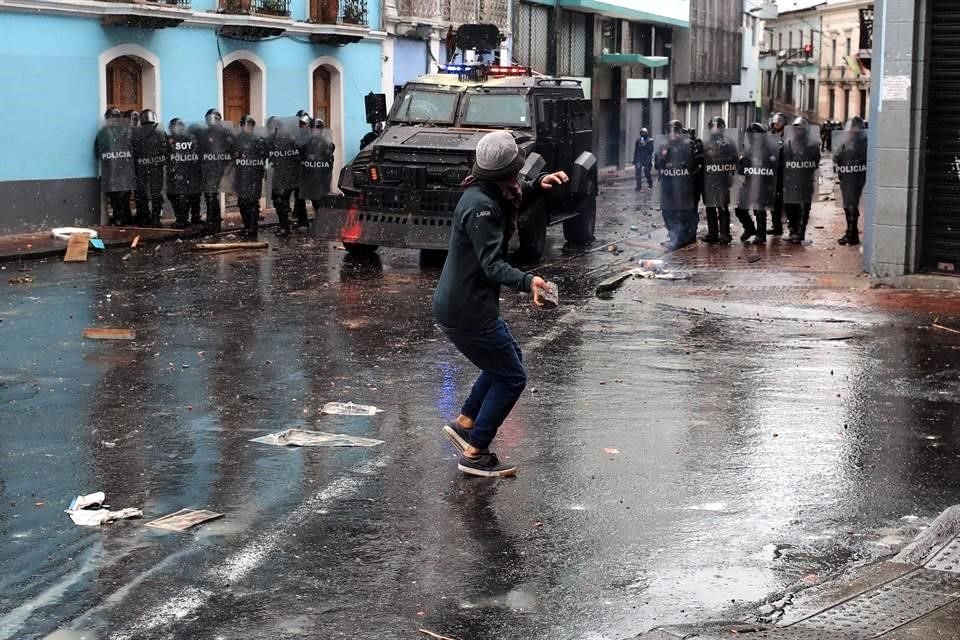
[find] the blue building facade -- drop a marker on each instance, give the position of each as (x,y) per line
(63,62)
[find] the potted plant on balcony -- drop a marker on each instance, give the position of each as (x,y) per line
(355,11)
(273,7)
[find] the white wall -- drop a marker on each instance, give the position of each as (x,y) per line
(749,88)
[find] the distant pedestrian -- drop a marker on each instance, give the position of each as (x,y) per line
(466,302)
(643,159)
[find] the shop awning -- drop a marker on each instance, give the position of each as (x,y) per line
(626,59)
(637,10)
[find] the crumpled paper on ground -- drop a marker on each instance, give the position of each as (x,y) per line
(349,409)
(83,513)
(303,438)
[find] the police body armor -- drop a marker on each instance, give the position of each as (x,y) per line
(250,162)
(285,160)
(183,170)
(801,160)
(316,172)
(114,147)
(674,159)
(150,153)
(719,170)
(216,154)
(850,160)
(758,164)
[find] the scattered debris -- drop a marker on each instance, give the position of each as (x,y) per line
(89,511)
(752,259)
(550,296)
(657,271)
(65,233)
(433,635)
(349,409)
(97,243)
(943,328)
(136,241)
(184,519)
(21,280)
(109,334)
(107,444)
(77,247)
(611,451)
(303,438)
(230,246)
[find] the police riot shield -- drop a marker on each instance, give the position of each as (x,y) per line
(215,139)
(673,160)
(114,151)
(317,156)
(284,154)
(757,165)
(251,154)
(184,175)
(850,164)
(720,154)
(801,161)
(150,152)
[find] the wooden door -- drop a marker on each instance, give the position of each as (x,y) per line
(236,92)
(321,94)
(125,84)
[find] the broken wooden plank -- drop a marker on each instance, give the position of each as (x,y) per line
(77,247)
(221,246)
(109,334)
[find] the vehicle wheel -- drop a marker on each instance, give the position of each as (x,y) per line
(580,230)
(533,234)
(359,249)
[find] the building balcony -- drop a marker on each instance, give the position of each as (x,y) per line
(254,19)
(338,22)
(449,12)
(278,8)
(146,14)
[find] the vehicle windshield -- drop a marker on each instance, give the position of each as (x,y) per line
(497,109)
(418,105)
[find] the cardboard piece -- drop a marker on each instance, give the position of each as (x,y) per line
(97,244)
(109,334)
(184,519)
(77,247)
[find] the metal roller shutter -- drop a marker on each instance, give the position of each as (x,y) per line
(941,217)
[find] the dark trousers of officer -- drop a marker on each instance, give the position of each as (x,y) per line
(746,221)
(185,206)
(776,216)
(852,235)
(281,203)
(120,204)
(643,172)
(798,215)
(681,226)
(718,224)
(300,209)
(149,208)
(249,212)
(212,200)
(760,215)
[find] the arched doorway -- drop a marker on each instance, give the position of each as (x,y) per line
(125,84)
(321,94)
(236,91)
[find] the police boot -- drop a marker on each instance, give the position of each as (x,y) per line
(776,222)
(804,220)
(749,229)
(793,220)
(724,231)
(712,236)
(853,233)
(761,227)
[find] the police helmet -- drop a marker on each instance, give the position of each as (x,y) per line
(133,115)
(212,115)
(675,126)
(304,120)
(317,123)
(112,112)
(856,122)
(644,132)
(718,123)
(177,125)
(756,127)
(248,121)
(778,119)
(302,112)
(149,117)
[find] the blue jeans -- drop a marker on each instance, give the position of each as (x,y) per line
(502,378)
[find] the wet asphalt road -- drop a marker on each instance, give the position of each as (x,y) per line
(754,449)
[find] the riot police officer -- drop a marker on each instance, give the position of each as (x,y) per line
(284,154)
(184,174)
(304,124)
(216,154)
(778,123)
(850,162)
(801,158)
(643,159)
(675,161)
(758,162)
(250,160)
(114,150)
(719,172)
(150,150)
(316,165)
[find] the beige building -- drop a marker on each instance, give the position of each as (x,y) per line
(844,60)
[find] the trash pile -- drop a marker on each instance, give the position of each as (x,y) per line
(654,269)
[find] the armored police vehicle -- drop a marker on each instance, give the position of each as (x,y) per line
(401,189)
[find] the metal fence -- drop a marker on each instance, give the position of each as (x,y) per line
(457,12)
(261,7)
(531,24)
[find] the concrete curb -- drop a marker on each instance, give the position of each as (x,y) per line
(816,601)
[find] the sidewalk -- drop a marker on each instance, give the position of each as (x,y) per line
(913,596)
(42,244)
